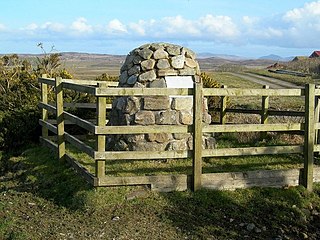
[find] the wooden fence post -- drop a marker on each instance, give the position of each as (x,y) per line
(60,119)
(317,119)
(309,134)
(223,107)
(264,112)
(101,139)
(44,99)
(197,133)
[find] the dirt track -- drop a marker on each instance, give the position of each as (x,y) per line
(272,82)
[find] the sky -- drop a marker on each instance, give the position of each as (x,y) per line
(248,28)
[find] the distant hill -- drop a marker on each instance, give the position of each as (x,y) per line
(276,58)
(272,57)
(222,56)
(91,65)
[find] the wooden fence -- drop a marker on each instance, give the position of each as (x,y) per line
(197,179)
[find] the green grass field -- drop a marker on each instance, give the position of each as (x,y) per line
(43,199)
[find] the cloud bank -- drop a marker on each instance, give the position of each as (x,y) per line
(297,28)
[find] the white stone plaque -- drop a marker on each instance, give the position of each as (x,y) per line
(179,82)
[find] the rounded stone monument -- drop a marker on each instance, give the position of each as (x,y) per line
(157,65)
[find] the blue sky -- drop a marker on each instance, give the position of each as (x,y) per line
(249,28)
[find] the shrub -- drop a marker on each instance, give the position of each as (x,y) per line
(20,95)
(213,101)
(19,127)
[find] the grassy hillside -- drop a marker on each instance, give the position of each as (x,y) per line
(40,199)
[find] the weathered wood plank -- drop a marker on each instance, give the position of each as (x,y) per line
(79,144)
(60,119)
(251,92)
(223,108)
(100,168)
(197,135)
(227,152)
(220,181)
(90,82)
(49,144)
(79,88)
(136,129)
(84,105)
(48,107)
(264,112)
(80,122)
(143,91)
(309,136)
(254,127)
(140,155)
(48,126)
(258,111)
(161,183)
(317,119)
(48,81)
(317,92)
(265,107)
(316,148)
(44,112)
(259,178)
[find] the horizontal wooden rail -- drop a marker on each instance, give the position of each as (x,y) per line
(251,92)
(80,169)
(80,122)
(143,91)
(48,107)
(317,126)
(79,144)
(317,148)
(136,129)
(80,88)
(254,127)
(49,126)
(50,144)
(90,82)
(141,155)
(317,91)
(163,183)
(258,111)
(228,152)
(49,81)
(84,105)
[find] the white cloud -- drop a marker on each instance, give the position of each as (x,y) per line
(81,26)
(219,26)
(2,27)
(115,26)
(31,27)
(303,25)
(249,20)
(138,28)
(55,27)
(309,10)
(177,25)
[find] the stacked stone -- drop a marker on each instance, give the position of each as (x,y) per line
(147,66)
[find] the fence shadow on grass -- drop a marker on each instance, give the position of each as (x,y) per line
(258,213)
(37,171)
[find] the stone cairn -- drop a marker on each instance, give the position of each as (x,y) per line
(147,67)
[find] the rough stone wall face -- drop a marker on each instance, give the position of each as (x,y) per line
(147,67)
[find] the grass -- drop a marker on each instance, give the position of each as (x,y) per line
(225,78)
(43,199)
(301,81)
